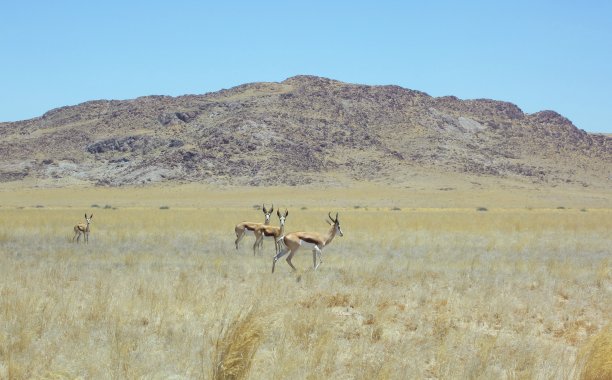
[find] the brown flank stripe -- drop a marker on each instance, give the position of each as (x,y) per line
(309,240)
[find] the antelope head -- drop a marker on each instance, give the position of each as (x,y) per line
(335,223)
(267,213)
(282,217)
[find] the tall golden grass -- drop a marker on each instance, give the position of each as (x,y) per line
(414,293)
(236,346)
(596,356)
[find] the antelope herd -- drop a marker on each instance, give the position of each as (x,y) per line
(283,243)
(290,242)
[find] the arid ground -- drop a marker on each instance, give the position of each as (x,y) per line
(425,283)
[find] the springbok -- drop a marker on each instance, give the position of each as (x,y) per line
(273,232)
(82,228)
(294,240)
(248,228)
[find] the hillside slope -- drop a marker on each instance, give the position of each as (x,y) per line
(302,130)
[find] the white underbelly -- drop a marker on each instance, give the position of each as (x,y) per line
(306,245)
(249,232)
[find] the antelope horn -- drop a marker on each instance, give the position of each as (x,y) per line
(330,217)
(286,213)
(263,207)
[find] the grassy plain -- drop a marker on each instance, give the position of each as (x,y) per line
(422,285)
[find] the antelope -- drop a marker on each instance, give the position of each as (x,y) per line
(82,228)
(264,231)
(294,240)
(247,228)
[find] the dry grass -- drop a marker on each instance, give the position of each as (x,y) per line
(416,293)
(237,344)
(596,356)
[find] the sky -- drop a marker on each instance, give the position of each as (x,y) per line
(539,55)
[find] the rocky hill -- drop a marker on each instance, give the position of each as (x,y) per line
(302,130)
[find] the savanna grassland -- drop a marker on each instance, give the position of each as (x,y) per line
(423,284)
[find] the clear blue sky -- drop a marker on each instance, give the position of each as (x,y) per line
(537,54)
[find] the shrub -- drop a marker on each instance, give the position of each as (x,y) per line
(482,209)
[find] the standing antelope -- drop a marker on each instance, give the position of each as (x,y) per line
(264,231)
(248,228)
(294,240)
(82,228)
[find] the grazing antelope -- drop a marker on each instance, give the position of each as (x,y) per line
(269,231)
(294,240)
(248,228)
(82,228)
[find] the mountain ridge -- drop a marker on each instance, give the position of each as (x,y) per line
(305,129)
